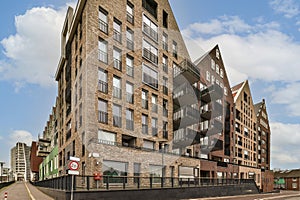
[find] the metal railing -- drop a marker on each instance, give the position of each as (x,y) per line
(134,182)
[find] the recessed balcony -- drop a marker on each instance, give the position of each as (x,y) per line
(186,72)
(186,94)
(185,137)
(185,116)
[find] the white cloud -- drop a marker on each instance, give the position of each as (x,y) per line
(258,52)
(285,145)
(20,136)
(289,8)
(33,52)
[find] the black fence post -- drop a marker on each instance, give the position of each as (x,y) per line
(88,183)
(172,182)
(74,183)
(124,182)
(107,182)
(162,182)
(138,182)
(150,182)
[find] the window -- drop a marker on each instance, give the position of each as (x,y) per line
(117,30)
(165,63)
(145,99)
(217,69)
(117,115)
(221,73)
(165,41)
(117,59)
(165,19)
(114,169)
(208,76)
(150,77)
(151,7)
(102,48)
(144,124)
(150,52)
(150,28)
(165,107)
(129,39)
(136,171)
(217,53)
(294,185)
(117,91)
(213,64)
(174,49)
(129,66)
(129,119)
(165,85)
(225,91)
(154,103)
(212,79)
(103,20)
(129,92)
(148,144)
(80,114)
(102,81)
(129,11)
(102,111)
(165,130)
(154,126)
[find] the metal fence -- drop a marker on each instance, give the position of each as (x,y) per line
(125,182)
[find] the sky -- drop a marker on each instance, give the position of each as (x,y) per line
(259,41)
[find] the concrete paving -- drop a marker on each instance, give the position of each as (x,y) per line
(283,195)
(23,191)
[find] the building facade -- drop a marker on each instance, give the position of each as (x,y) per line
(20,163)
(35,161)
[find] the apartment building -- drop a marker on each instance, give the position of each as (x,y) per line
(287,179)
(20,163)
(217,116)
(35,161)
(115,83)
(263,135)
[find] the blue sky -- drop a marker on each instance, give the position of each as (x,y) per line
(259,41)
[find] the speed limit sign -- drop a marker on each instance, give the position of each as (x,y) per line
(73,165)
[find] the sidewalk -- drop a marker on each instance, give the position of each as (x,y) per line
(23,191)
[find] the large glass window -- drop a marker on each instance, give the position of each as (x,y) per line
(129,11)
(165,41)
(117,30)
(129,119)
(145,99)
(117,115)
(144,124)
(106,137)
(117,59)
(154,103)
(103,20)
(102,50)
(129,39)
(102,83)
(165,63)
(150,52)
(150,77)
(102,111)
(129,92)
(148,144)
(150,28)
(154,126)
(115,170)
(175,49)
(129,66)
(117,91)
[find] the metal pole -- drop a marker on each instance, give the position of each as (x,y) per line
(72,187)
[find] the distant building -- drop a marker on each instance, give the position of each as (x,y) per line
(20,163)
(287,179)
(35,161)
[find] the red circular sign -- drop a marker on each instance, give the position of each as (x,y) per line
(73,165)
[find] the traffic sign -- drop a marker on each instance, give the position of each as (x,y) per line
(73,172)
(73,165)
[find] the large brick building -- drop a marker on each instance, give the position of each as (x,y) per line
(130,102)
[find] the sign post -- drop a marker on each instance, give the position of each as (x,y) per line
(73,170)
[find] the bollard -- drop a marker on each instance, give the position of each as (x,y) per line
(5,196)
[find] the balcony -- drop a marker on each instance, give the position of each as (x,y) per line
(118,64)
(103,26)
(206,115)
(186,116)
(150,56)
(117,36)
(186,71)
(103,86)
(42,151)
(186,94)
(129,44)
(102,117)
(215,127)
(102,56)
(130,17)
(214,144)
(150,32)
(185,137)
(213,92)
